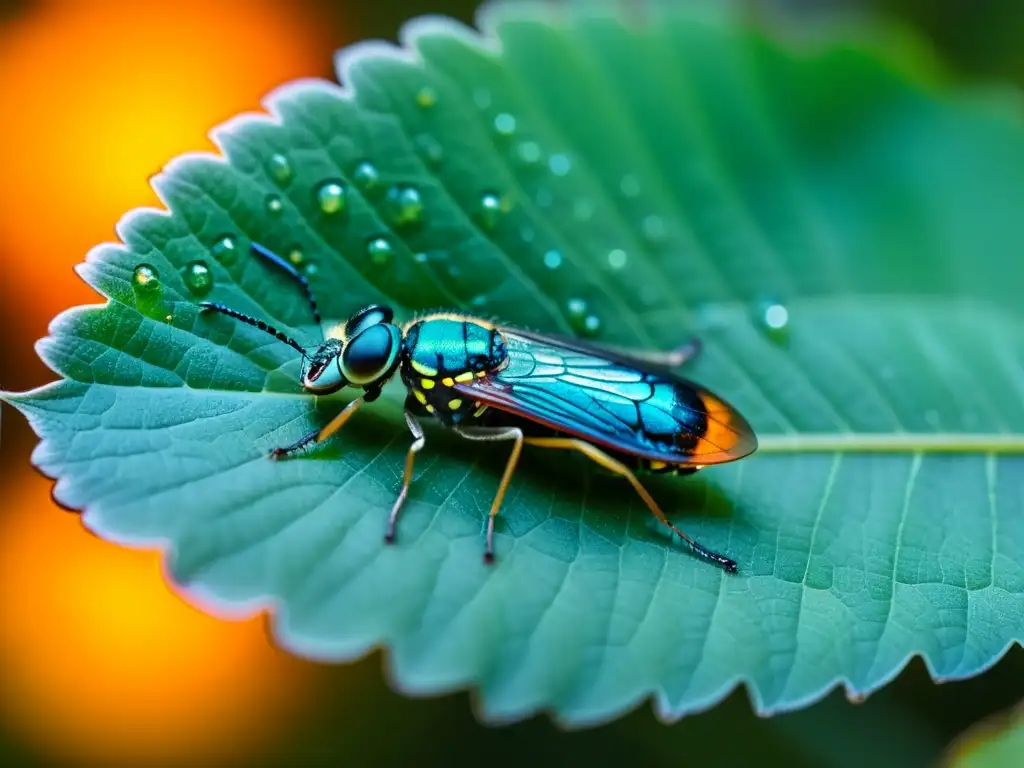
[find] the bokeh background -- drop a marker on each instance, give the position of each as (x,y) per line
(100,663)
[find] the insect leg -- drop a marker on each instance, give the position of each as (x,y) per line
(417,443)
(319,435)
(273,258)
(595,454)
(490,434)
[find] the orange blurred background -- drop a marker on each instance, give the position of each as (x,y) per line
(100,662)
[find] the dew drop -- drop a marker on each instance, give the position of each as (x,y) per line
(544,198)
(576,309)
(479,301)
(482,98)
(653,228)
(145,279)
(591,325)
(380,250)
(331,197)
(225,250)
(553,259)
(420,257)
(528,152)
(366,177)
(280,169)
(629,185)
(505,124)
(773,317)
(311,269)
(296,257)
(430,149)
(526,233)
(617,258)
(198,278)
(426,97)
(404,205)
(274,204)
(559,164)
(583,210)
(489,211)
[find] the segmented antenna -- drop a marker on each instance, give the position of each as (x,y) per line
(249,320)
(273,258)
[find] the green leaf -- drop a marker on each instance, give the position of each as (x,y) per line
(679,174)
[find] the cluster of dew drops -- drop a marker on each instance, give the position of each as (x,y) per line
(404,208)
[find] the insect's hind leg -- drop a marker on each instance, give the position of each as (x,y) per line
(491,434)
(595,454)
(319,435)
(410,457)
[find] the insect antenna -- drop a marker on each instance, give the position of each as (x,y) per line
(273,258)
(255,323)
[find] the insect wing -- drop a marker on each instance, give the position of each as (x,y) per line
(609,400)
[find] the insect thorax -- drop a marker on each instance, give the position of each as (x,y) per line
(440,351)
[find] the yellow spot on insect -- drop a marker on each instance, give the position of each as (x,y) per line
(479,411)
(448,381)
(455,404)
(337,332)
(462,378)
(481,374)
(420,396)
(427,383)
(430,409)
(423,370)
(658,465)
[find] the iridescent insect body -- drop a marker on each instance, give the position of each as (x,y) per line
(625,411)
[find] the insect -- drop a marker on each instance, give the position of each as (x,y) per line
(623,410)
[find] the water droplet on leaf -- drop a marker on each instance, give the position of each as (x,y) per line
(629,185)
(225,250)
(505,124)
(429,149)
(296,257)
(198,278)
(773,317)
(380,250)
(490,210)
(482,98)
(559,164)
(274,204)
(617,258)
(591,325)
(528,152)
(280,169)
(404,206)
(426,97)
(653,228)
(577,309)
(553,259)
(366,177)
(145,279)
(331,197)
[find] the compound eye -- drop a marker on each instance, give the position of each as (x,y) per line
(371,354)
(375,314)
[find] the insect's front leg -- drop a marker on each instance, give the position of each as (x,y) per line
(410,457)
(319,435)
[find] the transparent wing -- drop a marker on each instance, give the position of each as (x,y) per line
(606,399)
